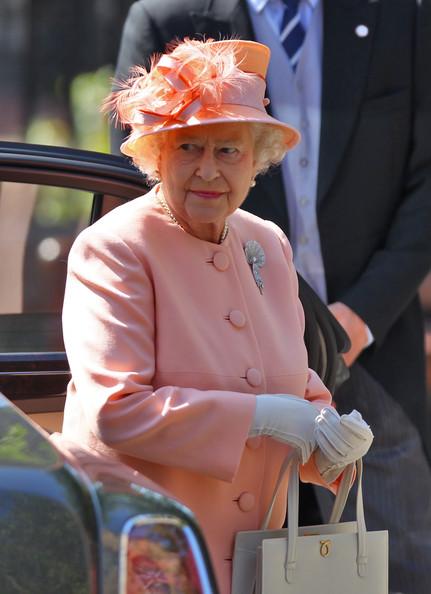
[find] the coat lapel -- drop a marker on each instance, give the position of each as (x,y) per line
(346,56)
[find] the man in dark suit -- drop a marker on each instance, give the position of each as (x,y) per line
(372,198)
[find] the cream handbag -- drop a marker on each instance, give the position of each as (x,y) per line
(334,558)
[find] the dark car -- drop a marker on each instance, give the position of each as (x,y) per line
(72,521)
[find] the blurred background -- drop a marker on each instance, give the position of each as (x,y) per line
(57,58)
(57,61)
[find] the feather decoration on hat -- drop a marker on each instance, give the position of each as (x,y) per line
(194,70)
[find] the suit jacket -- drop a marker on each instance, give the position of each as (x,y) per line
(374,180)
(178,341)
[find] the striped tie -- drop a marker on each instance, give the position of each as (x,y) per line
(292,33)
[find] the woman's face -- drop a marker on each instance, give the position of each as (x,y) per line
(206,173)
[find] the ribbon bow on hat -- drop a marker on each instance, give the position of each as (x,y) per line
(178,101)
(185,90)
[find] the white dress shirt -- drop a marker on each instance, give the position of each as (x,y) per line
(295,98)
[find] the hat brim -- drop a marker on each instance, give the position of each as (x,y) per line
(218,115)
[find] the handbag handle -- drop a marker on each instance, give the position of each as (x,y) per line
(340,500)
(292,515)
(292,461)
(342,494)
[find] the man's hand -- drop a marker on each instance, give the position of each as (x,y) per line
(354,326)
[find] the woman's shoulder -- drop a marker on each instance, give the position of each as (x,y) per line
(268,234)
(136,213)
(245,221)
(129,222)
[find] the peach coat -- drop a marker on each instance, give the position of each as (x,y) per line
(169,340)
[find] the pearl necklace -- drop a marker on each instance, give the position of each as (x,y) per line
(171,215)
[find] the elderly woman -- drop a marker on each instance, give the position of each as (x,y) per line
(189,361)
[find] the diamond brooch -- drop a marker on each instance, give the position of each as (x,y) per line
(256,259)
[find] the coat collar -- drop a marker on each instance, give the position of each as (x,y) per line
(344,78)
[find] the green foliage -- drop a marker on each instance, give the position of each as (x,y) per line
(58,207)
(87,93)
(20,443)
(48,130)
(90,128)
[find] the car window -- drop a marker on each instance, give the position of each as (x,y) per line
(37,227)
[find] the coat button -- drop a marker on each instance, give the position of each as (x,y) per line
(246,501)
(221,261)
(253,443)
(254,377)
(237,318)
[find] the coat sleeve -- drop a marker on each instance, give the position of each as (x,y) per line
(395,271)
(109,333)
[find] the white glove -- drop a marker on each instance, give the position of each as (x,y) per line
(340,441)
(288,419)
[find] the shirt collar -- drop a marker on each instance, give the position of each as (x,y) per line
(259,5)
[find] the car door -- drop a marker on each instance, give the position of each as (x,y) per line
(47,196)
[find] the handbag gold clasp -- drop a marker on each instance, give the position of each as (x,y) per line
(325,548)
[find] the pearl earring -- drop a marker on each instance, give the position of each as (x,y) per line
(253,183)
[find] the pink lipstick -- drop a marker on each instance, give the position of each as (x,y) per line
(207,194)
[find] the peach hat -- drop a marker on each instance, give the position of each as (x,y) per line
(198,82)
